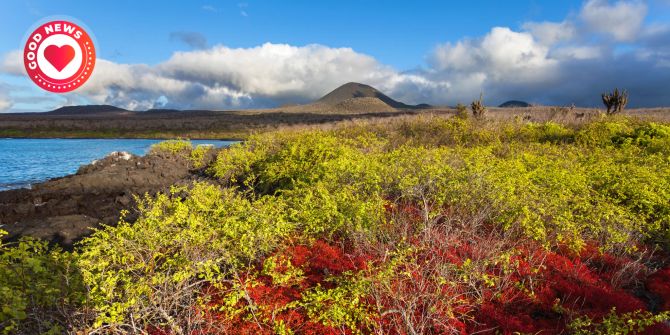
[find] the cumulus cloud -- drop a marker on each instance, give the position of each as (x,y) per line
(275,70)
(499,54)
(622,20)
(514,65)
(191,38)
(223,77)
(562,62)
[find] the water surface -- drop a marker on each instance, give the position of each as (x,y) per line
(27,161)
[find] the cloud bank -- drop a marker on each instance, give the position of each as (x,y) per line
(605,45)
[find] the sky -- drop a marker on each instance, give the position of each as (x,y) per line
(250,54)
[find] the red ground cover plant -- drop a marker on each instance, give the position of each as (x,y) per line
(569,288)
(441,279)
(564,287)
(269,304)
(533,290)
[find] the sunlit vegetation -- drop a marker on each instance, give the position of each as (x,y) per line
(197,156)
(413,226)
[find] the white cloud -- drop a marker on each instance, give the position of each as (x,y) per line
(223,77)
(622,20)
(497,54)
(277,70)
(139,87)
(501,57)
(561,62)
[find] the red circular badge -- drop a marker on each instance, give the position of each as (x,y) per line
(59,56)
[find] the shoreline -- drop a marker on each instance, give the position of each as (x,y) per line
(29,185)
(62,209)
(123,138)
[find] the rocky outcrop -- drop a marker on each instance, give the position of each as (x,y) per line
(63,210)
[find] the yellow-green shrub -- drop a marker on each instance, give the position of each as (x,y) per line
(342,307)
(613,323)
(172,147)
(199,154)
(177,242)
(556,184)
(39,288)
(322,211)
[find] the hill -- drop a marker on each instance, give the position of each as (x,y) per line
(357,90)
(88,109)
(514,104)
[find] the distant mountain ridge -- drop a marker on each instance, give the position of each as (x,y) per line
(514,104)
(87,109)
(350,98)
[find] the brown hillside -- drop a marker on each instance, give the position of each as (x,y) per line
(356,90)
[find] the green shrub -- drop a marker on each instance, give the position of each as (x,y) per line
(323,211)
(653,137)
(545,132)
(461,111)
(613,323)
(342,307)
(172,147)
(601,133)
(360,186)
(237,165)
(157,266)
(40,289)
(198,155)
(555,184)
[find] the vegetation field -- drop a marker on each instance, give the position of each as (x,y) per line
(411,225)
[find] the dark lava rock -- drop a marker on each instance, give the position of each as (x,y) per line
(63,210)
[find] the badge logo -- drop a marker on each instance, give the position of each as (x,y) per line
(59,56)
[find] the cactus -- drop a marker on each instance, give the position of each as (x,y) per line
(615,101)
(478,108)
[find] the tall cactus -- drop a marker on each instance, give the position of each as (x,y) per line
(615,101)
(478,108)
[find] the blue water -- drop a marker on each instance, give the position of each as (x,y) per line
(27,161)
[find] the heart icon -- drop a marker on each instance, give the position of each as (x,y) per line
(59,57)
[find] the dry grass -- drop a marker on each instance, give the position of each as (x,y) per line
(240,124)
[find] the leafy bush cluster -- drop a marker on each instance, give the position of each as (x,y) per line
(172,147)
(413,226)
(41,290)
(197,157)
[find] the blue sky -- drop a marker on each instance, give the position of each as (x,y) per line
(409,46)
(399,33)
